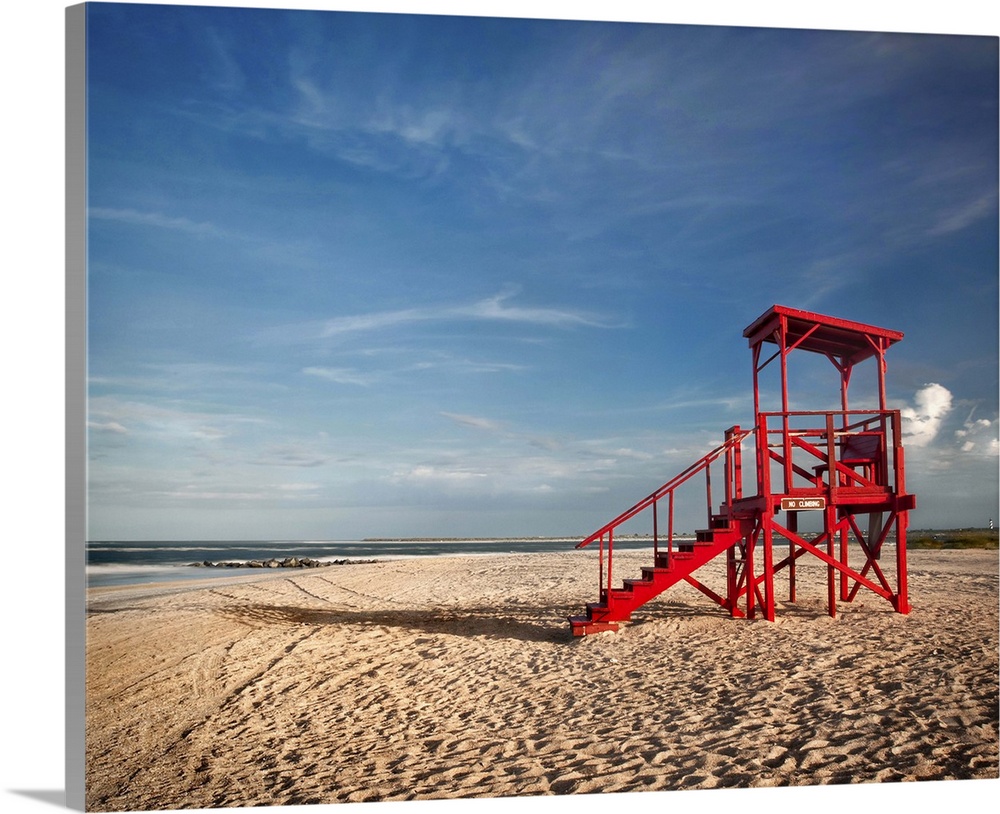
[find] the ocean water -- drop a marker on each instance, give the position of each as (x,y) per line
(136,562)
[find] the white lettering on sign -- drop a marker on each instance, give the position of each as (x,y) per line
(802,504)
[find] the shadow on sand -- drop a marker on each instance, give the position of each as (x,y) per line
(535,624)
(526,624)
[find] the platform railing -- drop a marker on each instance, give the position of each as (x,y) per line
(730,454)
(805,445)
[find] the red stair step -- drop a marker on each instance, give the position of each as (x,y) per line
(582,626)
(642,588)
(597,611)
(616,605)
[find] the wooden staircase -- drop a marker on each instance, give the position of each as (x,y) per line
(669,568)
(678,559)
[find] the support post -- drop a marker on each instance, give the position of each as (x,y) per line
(792,519)
(786,441)
(708,492)
(731,578)
(611,547)
(600,567)
(844,539)
(656,535)
(902,517)
(670,525)
(845,383)
(902,588)
(831,455)
(829,523)
(880,360)
(769,573)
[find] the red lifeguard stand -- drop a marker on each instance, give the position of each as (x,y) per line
(836,465)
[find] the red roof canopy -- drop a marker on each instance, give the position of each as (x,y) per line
(852,341)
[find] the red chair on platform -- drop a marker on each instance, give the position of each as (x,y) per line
(859,450)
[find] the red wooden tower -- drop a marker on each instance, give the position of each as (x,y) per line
(844,468)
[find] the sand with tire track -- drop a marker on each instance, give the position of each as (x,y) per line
(457,677)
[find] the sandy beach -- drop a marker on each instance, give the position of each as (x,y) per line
(458,677)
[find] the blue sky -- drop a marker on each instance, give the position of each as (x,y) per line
(357,275)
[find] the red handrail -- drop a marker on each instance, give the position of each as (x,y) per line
(670,486)
(734,438)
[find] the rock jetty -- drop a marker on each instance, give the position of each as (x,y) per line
(288,562)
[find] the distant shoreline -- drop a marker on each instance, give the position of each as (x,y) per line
(912,534)
(564,539)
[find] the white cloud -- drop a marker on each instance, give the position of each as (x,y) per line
(966,214)
(375,321)
(108,413)
(922,422)
(341,375)
(191,493)
(426,473)
(494,308)
(291,454)
(462,366)
(108,426)
(489,425)
(157,220)
(633,454)
(978,437)
(490,309)
(473,421)
(297,487)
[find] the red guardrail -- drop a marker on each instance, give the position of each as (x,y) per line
(731,448)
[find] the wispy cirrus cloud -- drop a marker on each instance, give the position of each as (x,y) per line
(460,365)
(342,375)
(501,430)
(476,422)
(494,309)
(966,214)
(157,220)
(367,378)
(291,454)
(165,422)
(107,426)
